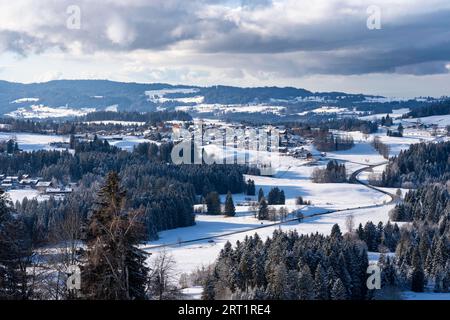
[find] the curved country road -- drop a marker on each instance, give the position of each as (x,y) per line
(353,179)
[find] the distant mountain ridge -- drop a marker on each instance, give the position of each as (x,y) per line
(104,94)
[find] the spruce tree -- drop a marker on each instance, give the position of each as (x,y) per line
(338,292)
(115,268)
(213,203)
(320,283)
(282,199)
(208,288)
(336,233)
(277,287)
(418,277)
(251,189)
(260,194)
(263,211)
(305,284)
(230,210)
(15,253)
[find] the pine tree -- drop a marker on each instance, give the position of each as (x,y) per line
(208,288)
(72,142)
(320,283)
(230,210)
(418,277)
(15,253)
(245,270)
(260,194)
(213,203)
(272,197)
(251,189)
(338,292)
(115,267)
(400,129)
(370,233)
(361,233)
(263,212)
(282,199)
(277,287)
(440,256)
(259,275)
(439,281)
(336,233)
(10,146)
(305,284)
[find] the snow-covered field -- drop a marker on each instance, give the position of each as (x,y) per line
(129,142)
(294,179)
(358,201)
(396,113)
(365,152)
(159,96)
(189,257)
(19,195)
(325,110)
(42,112)
(362,153)
(33,142)
(441,121)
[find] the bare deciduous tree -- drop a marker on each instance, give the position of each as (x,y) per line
(350,223)
(162,277)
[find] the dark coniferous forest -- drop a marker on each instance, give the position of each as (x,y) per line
(165,192)
(420,164)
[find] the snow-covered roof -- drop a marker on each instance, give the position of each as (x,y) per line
(44,184)
(58,190)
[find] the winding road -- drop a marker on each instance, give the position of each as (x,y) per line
(353,179)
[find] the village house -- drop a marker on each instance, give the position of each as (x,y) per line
(42,186)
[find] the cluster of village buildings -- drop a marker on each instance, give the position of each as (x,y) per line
(8,183)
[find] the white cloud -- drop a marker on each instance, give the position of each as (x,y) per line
(48,76)
(222,41)
(119,32)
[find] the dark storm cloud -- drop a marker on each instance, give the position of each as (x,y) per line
(328,39)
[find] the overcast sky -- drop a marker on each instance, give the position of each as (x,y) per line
(320,45)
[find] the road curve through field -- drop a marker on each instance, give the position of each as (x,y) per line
(353,179)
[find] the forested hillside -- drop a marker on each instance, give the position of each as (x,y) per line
(147,117)
(165,192)
(292,267)
(83,125)
(421,163)
(423,252)
(428,203)
(438,109)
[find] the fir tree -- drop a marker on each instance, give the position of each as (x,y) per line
(15,253)
(305,284)
(338,292)
(282,199)
(336,233)
(115,267)
(251,188)
(208,292)
(418,277)
(320,283)
(277,287)
(260,194)
(213,203)
(230,210)
(263,211)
